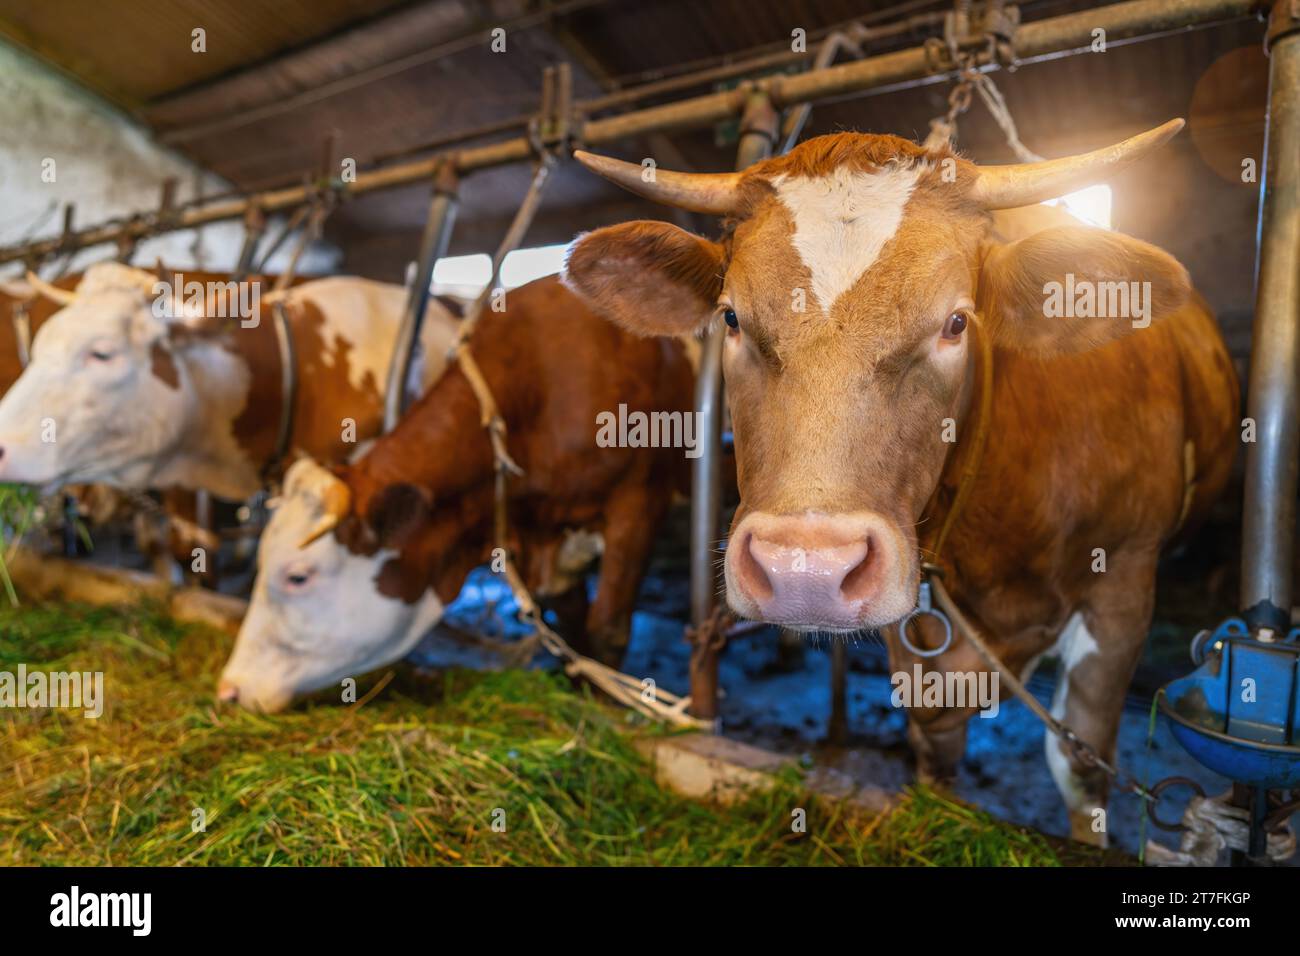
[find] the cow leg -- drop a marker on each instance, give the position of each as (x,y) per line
(152,543)
(1099,649)
(632,516)
(937,737)
(194,511)
(938,751)
(570,610)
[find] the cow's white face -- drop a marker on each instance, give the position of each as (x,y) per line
(316,615)
(106,394)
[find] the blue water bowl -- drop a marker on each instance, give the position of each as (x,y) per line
(1238,713)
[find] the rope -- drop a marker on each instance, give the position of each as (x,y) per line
(943,129)
(997,106)
(1213,826)
(627,690)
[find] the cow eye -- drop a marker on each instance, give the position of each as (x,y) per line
(298,577)
(955,325)
(729,316)
(100,355)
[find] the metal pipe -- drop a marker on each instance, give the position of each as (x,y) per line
(674,84)
(433,246)
(837,728)
(758,132)
(1269,523)
(705,474)
(794,123)
(1041,39)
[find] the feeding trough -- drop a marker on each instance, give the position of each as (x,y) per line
(1238,713)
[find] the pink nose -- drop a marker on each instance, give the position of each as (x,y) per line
(227,692)
(810,571)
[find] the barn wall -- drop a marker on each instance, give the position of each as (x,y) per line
(106,164)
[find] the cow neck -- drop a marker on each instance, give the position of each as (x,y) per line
(257,427)
(439,444)
(207,455)
(962,463)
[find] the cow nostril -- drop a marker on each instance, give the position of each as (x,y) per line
(860,582)
(750,573)
(2,453)
(227,692)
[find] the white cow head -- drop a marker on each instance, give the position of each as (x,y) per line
(109,393)
(316,616)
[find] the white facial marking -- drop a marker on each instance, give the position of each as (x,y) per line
(843,220)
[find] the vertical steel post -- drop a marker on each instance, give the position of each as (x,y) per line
(1269,524)
(254,229)
(837,729)
(433,246)
(758,130)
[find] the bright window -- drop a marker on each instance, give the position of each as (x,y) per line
(467,275)
(1092,205)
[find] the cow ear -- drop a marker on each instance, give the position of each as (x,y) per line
(649,277)
(1074,288)
(397,513)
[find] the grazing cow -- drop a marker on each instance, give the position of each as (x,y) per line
(98,503)
(138,399)
(392,537)
(854,272)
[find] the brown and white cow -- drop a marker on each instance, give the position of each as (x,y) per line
(1107,434)
(96,504)
(392,536)
(121,392)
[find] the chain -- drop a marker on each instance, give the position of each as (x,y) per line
(1083,751)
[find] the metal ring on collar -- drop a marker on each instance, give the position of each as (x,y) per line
(921,652)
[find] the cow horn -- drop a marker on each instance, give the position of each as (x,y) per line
(51,292)
(336,503)
(1004,187)
(711,193)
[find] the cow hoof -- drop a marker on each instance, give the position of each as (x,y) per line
(1081,830)
(939,778)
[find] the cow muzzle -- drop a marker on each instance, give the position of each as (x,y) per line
(819,572)
(258,696)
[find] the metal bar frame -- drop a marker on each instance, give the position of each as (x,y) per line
(759,129)
(1269,511)
(433,246)
(1041,39)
